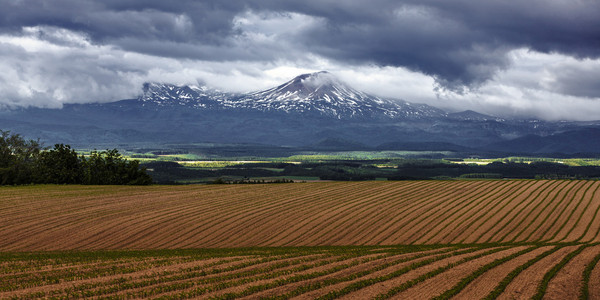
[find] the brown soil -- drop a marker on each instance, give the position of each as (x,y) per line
(451,216)
(582,218)
(474,221)
(362,267)
(381,217)
(515,211)
(587,233)
(440,283)
(485,284)
(296,261)
(547,229)
(330,213)
(594,283)
(565,221)
(527,214)
(488,219)
(376,289)
(568,281)
(133,275)
(407,222)
(345,272)
(242,287)
(525,284)
(537,216)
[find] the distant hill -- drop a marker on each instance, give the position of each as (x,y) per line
(311,110)
(423,146)
(585,140)
(338,144)
(471,116)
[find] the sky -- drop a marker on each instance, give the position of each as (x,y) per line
(536,58)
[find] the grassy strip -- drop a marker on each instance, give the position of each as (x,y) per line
(548,190)
(548,215)
(587,272)
(16,282)
(509,278)
(355,210)
(257,288)
(248,211)
(591,199)
(506,189)
(321,284)
(267,254)
(535,193)
(541,290)
(587,228)
(465,281)
(367,282)
(466,202)
(354,196)
(305,214)
(405,286)
(406,191)
(405,216)
(373,209)
(124,283)
(506,198)
(486,190)
(405,206)
(556,232)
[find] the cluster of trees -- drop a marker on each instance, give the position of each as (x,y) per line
(26,162)
(249,181)
(415,169)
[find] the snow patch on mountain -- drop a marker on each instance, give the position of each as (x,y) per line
(318,93)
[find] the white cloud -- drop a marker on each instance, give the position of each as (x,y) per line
(47,66)
(534,85)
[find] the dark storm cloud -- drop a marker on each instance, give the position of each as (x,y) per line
(580,82)
(105,21)
(461,43)
(458,42)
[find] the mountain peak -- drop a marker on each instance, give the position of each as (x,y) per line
(319,93)
(321,75)
(161,94)
(306,85)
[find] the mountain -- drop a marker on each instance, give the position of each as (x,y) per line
(469,115)
(315,94)
(314,110)
(323,94)
(584,140)
(168,95)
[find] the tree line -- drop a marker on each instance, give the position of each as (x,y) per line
(26,162)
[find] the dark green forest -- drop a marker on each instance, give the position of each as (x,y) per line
(410,169)
(27,162)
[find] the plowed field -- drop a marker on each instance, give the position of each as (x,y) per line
(405,240)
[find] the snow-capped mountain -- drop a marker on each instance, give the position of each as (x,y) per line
(324,94)
(313,110)
(172,95)
(318,93)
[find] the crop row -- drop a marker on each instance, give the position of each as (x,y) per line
(527,270)
(306,214)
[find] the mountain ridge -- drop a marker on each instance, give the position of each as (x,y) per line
(312,110)
(319,93)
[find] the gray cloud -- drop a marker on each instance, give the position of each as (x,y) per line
(578,81)
(111,46)
(460,42)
